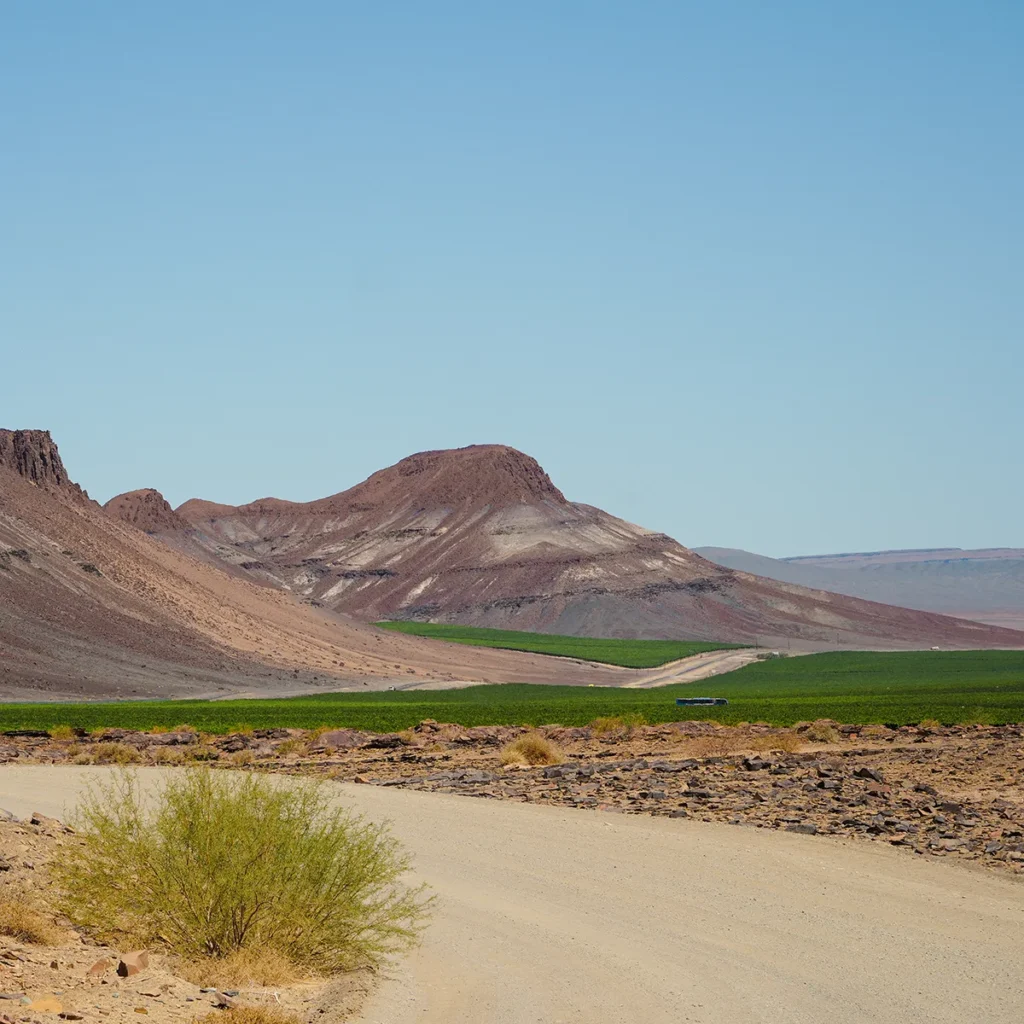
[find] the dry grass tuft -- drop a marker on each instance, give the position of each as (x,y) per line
(244,967)
(62,734)
(929,724)
(291,746)
(168,755)
(243,757)
(250,1015)
(112,753)
(819,732)
(533,748)
(20,920)
(617,725)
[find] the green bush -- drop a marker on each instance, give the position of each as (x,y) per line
(216,863)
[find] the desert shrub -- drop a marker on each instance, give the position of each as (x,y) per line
(20,920)
(929,724)
(113,753)
(217,863)
(62,734)
(819,732)
(291,746)
(243,757)
(532,748)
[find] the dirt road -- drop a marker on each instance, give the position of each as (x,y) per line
(567,916)
(693,669)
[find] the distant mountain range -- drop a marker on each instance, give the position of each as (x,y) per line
(985,584)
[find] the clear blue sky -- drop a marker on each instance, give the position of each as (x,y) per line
(748,273)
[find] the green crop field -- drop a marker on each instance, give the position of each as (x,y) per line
(628,653)
(961,686)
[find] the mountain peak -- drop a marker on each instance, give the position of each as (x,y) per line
(33,455)
(486,474)
(146,509)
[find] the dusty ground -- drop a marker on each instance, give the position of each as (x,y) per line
(954,792)
(549,914)
(74,978)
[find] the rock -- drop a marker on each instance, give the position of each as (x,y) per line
(804,828)
(172,739)
(755,764)
(869,773)
(385,741)
(132,963)
(341,739)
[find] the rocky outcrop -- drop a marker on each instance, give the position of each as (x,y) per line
(33,455)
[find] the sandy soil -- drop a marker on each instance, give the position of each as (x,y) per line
(558,915)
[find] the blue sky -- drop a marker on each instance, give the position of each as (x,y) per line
(747,273)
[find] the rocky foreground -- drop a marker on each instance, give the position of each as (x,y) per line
(935,791)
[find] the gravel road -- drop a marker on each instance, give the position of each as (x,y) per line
(555,915)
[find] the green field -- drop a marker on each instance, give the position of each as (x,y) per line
(897,689)
(628,653)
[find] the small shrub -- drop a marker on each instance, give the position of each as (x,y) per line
(533,748)
(217,863)
(819,732)
(929,725)
(91,569)
(21,921)
(62,734)
(291,746)
(114,753)
(243,757)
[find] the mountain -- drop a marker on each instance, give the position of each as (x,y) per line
(93,606)
(985,584)
(481,536)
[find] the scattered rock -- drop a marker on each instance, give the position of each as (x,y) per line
(133,963)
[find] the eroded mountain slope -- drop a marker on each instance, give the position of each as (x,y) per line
(481,535)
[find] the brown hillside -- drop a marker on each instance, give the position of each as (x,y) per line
(482,536)
(146,510)
(91,606)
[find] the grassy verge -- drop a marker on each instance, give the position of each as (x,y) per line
(627,653)
(897,689)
